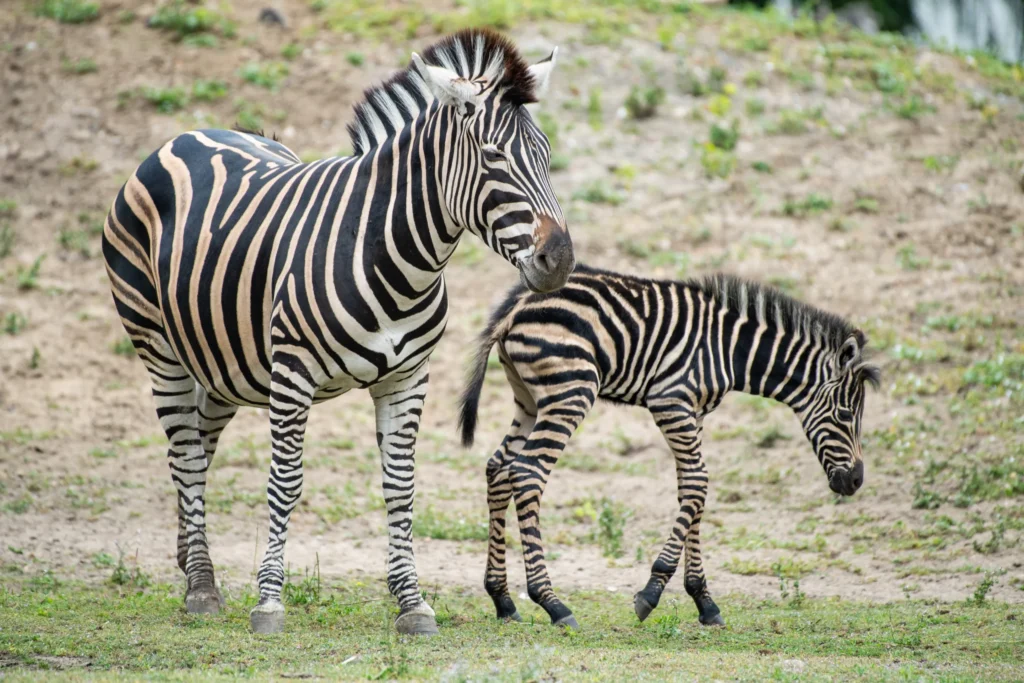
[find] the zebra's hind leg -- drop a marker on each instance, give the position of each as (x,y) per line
(499,494)
(695,583)
(176,396)
(399,405)
(556,422)
(682,431)
(214,416)
(291,395)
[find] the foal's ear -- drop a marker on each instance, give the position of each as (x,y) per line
(849,354)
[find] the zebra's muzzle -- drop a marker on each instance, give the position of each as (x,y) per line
(552,261)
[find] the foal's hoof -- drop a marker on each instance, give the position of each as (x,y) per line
(511,617)
(267,617)
(642,608)
(203,601)
(419,621)
(569,622)
(712,619)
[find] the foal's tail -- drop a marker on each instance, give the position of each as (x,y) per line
(470,401)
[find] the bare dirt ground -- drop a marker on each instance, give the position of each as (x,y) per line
(911,225)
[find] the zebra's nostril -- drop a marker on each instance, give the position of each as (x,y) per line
(543,262)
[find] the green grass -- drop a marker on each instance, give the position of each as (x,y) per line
(266,75)
(127,631)
(68,11)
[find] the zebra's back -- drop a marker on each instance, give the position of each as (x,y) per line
(198,244)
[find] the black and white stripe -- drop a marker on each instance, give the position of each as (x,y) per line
(676,348)
(247,278)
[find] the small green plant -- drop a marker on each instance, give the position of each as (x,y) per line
(762,167)
(941,163)
(27,277)
(102,559)
(178,17)
(770,436)
(103,453)
(124,347)
(7,238)
(611,525)
(291,51)
(643,102)
(725,138)
(914,108)
(14,323)
(35,359)
(355,58)
(68,11)
(74,240)
(77,165)
(925,499)
(305,592)
(594,113)
(125,577)
(667,625)
(79,66)
(717,163)
(266,75)
(208,91)
(166,100)
(248,116)
(865,205)
(981,592)
(599,193)
(813,203)
(909,259)
(755,107)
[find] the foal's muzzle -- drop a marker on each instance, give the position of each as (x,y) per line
(846,482)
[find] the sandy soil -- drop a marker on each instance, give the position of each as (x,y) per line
(83,466)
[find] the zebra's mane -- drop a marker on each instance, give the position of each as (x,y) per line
(772,305)
(471,53)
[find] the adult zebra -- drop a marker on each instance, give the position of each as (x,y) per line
(247,278)
(675,348)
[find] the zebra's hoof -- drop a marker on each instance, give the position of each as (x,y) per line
(203,601)
(513,617)
(569,622)
(642,608)
(267,617)
(419,621)
(712,620)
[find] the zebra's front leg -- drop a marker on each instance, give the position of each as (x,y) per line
(291,395)
(499,494)
(399,405)
(682,431)
(556,423)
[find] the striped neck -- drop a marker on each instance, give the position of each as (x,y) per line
(776,360)
(411,230)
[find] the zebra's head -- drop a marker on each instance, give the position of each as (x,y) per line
(832,419)
(495,180)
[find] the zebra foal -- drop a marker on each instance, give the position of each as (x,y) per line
(675,348)
(247,278)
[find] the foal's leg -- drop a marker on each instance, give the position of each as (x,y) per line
(291,394)
(682,431)
(556,422)
(399,405)
(499,493)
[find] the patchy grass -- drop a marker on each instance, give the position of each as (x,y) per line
(345,631)
(68,11)
(432,523)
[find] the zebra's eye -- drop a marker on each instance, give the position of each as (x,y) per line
(493,154)
(845,415)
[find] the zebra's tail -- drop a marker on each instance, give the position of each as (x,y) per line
(470,401)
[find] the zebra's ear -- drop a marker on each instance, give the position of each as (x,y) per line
(541,72)
(849,354)
(448,87)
